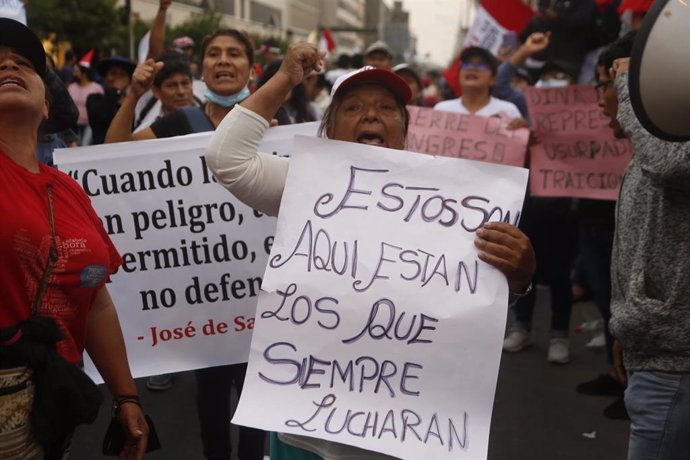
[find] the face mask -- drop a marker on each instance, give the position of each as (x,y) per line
(551,83)
(226,101)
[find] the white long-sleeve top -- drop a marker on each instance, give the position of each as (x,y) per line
(256,179)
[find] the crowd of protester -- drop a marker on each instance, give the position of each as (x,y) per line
(171,93)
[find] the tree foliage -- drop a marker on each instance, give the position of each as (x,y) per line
(85,23)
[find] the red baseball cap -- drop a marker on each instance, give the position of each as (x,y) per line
(369,74)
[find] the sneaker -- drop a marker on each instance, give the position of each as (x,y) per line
(597,341)
(159,382)
(616,410)
(559,351)
(604,385)
(516,340)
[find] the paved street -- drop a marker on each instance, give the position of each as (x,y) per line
(537,413)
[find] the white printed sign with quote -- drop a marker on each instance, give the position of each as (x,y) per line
(378,326)
(194,256)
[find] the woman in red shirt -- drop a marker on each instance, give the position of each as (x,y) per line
(47,216)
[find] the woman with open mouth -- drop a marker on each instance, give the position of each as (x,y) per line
(228,56)
(367,107)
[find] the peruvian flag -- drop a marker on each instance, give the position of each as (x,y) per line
(326,41)
(494,20)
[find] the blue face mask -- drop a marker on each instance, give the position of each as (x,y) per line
(226,101)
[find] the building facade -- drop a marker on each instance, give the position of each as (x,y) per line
(289,19)
(392,25)
(264,17)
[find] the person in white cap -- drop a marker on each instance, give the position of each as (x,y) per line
(411,77)
(379,55)
(368,106)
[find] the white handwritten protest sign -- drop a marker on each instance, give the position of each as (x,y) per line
(466,136)
(578,155)
(193,255)
(379,327)
(485,32)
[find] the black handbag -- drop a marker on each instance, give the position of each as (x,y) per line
(115,436)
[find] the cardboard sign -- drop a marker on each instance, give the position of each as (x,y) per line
(578,155)
(194,256)
(466,136)
(378,325)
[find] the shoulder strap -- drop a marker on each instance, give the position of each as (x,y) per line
(145,111)
(198,120)
(52,257)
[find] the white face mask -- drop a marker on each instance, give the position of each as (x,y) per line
(552,83)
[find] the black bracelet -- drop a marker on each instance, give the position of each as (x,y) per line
(118,401)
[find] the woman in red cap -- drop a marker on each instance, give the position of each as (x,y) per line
(368,107)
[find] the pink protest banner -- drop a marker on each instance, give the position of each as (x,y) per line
(470,137)
(578,155)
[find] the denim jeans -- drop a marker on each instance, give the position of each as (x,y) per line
(659,407)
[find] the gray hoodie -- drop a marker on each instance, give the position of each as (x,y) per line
(650,267)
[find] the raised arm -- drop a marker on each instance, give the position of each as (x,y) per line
(120,129)
(157,37)
(503,89)
(535,43)
(254,178)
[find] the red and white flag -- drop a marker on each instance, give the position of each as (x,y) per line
(495,19)
(326,41)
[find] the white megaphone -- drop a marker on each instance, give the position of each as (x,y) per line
(659,75)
